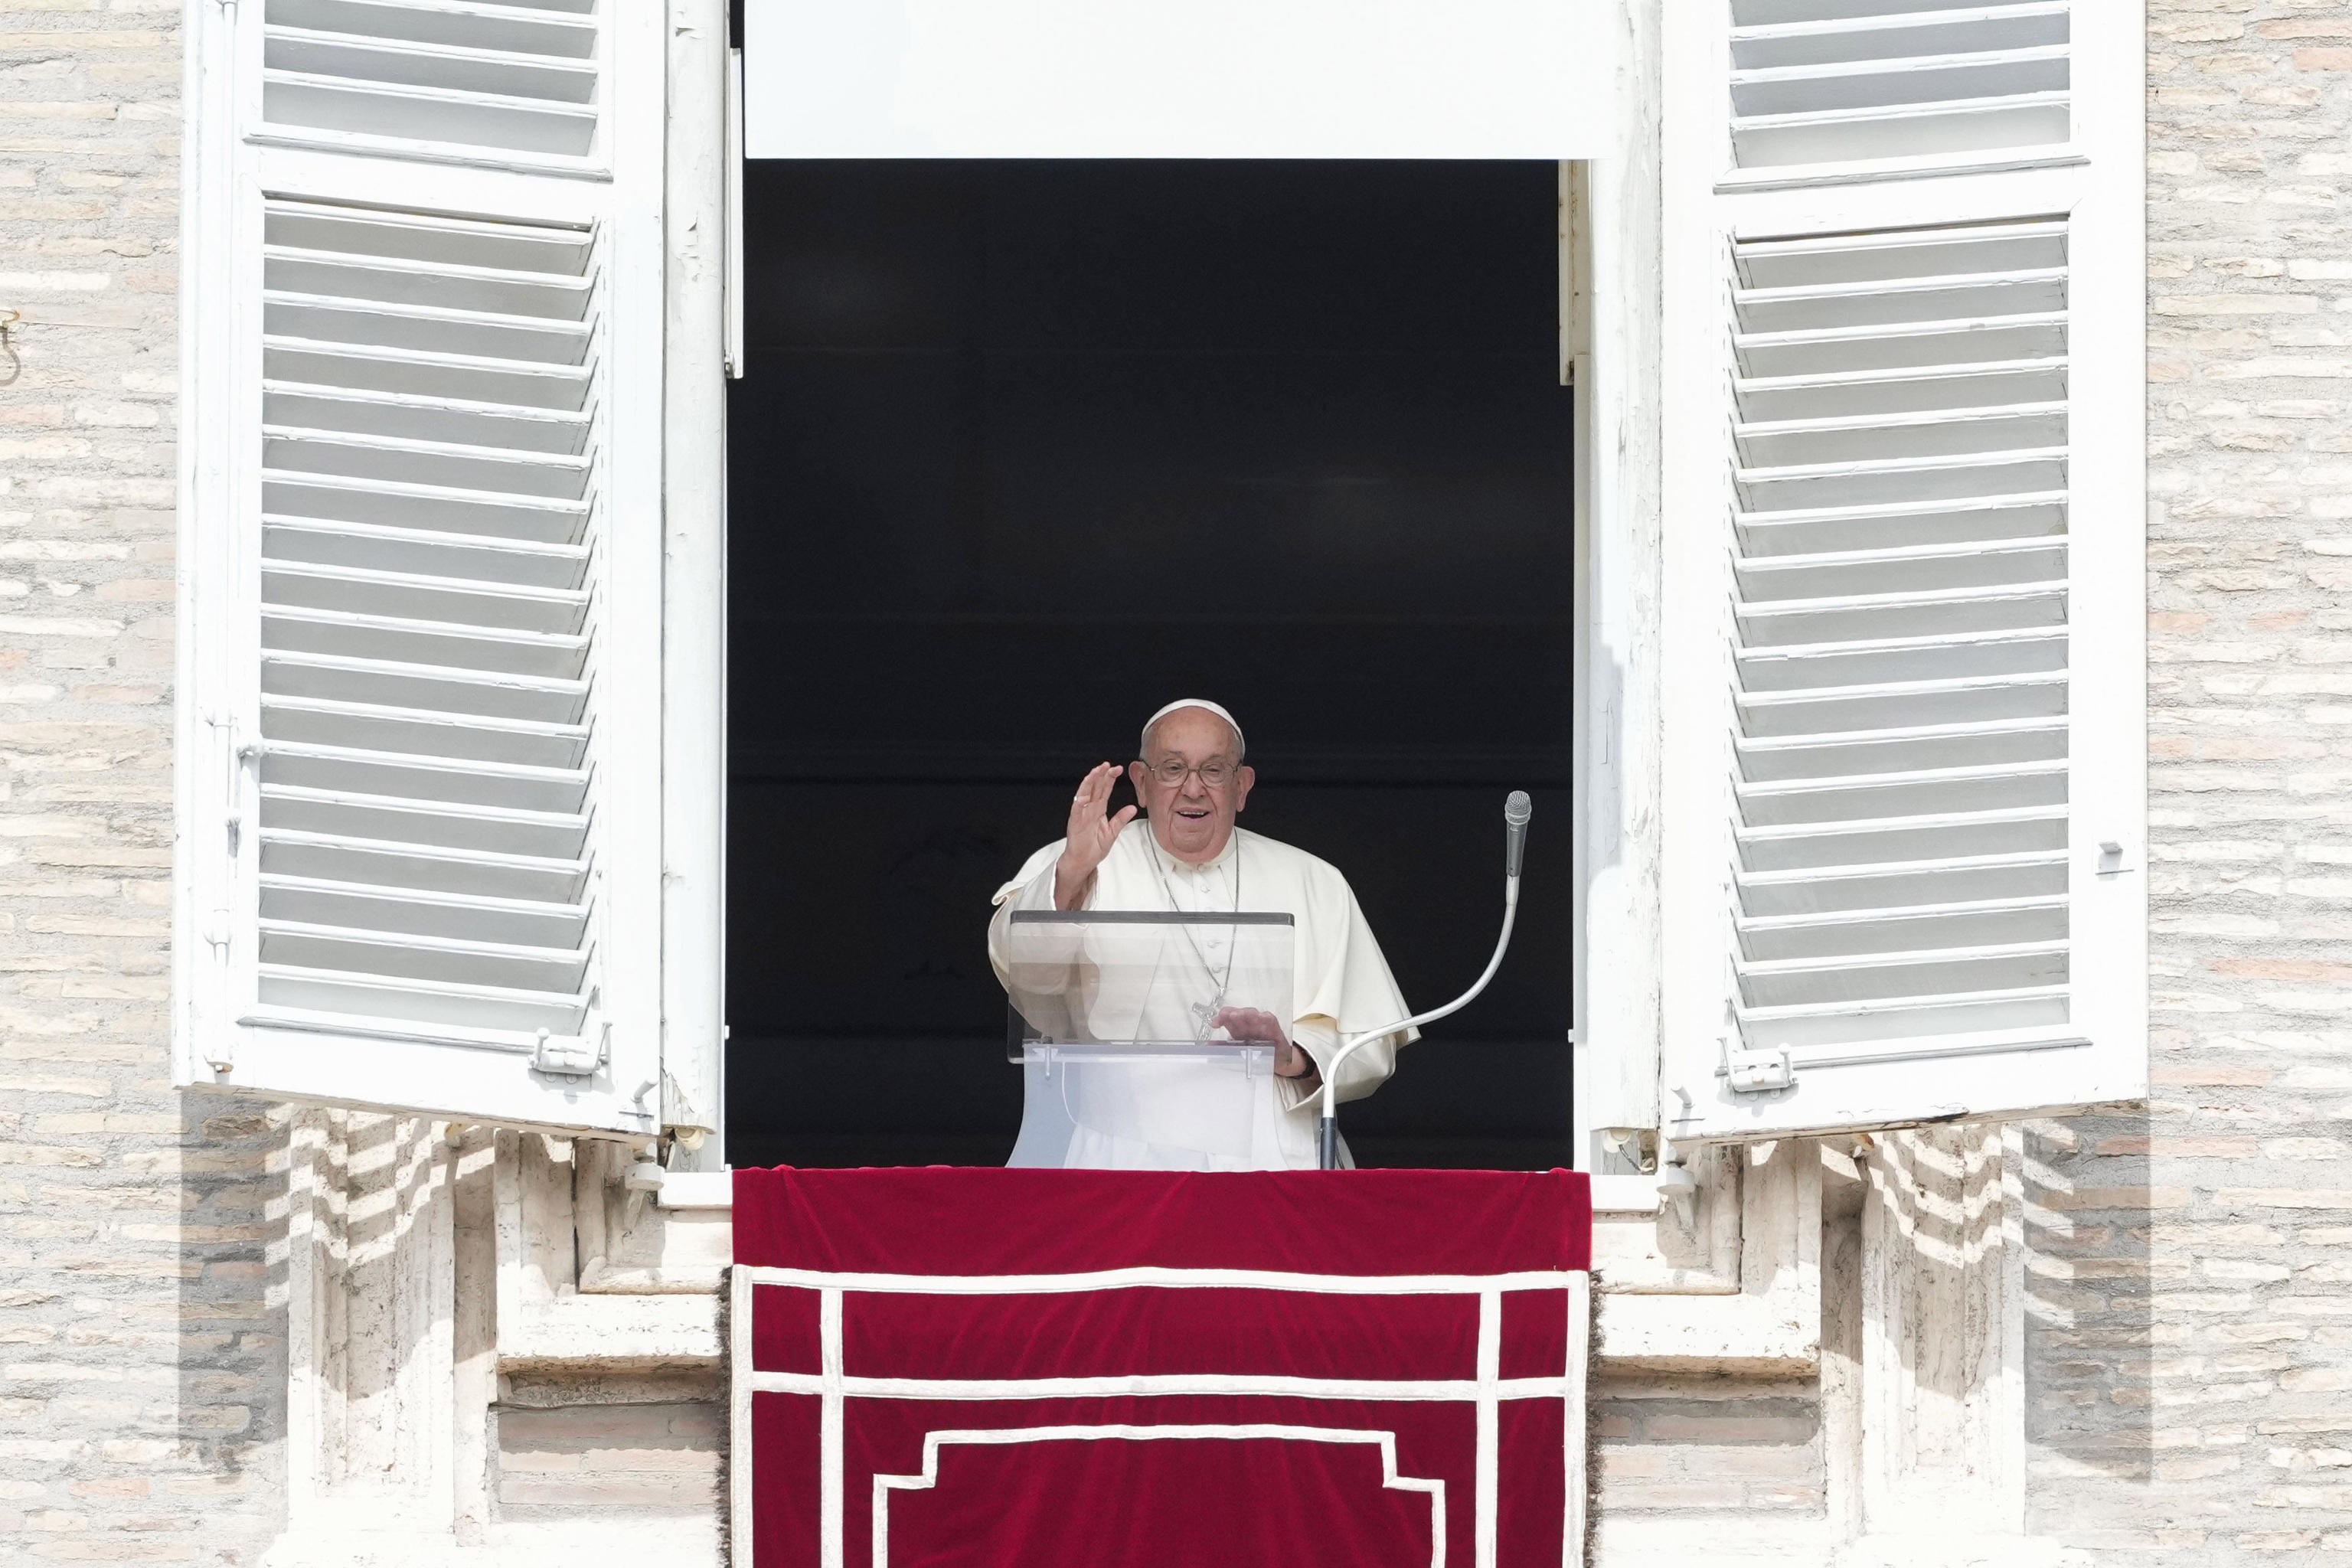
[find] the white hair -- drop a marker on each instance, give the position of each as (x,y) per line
(1241,747)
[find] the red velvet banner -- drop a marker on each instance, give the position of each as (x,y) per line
(987,1368)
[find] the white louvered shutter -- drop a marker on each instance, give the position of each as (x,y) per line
(420,772)
(1904,582)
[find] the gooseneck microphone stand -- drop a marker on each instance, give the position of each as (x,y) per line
(1516,812)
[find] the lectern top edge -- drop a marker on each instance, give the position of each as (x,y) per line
(1151,916)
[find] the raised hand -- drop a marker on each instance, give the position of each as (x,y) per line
(1090,836)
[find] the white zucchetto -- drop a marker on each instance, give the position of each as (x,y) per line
(1240,745)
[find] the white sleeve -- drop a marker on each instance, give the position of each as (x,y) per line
(1032,888)
(1364,1073)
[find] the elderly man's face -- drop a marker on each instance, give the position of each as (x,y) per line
(1191,818)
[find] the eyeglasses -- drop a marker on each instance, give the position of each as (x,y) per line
(1214,775)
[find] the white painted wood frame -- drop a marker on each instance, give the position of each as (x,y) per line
(1903,546)
(419,790)
(703,307)
(1610,354)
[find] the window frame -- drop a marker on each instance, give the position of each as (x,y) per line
(221,1040)
(2094,182)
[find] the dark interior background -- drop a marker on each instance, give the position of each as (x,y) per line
(1026,450)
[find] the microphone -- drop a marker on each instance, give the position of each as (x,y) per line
(1516,812)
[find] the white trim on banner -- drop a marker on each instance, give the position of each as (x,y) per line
(1392,1480)
(833,1386)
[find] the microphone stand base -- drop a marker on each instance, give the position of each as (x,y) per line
(1327,1143)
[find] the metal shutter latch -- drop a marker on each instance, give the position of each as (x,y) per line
(1756,1072)
(571,1056)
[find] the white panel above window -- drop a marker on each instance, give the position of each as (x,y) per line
(1903,589)
(421,517)
(1216,79)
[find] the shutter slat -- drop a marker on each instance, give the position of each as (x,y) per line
(546,842)
(514,383)
(503,73)
(1851,932)
(1813,754)
(353,726)
(1787,715)
(1813,529)
(371,324)
(440,422)
(330,497)
(1820,261)
(395,640)
(1823,396)
(1846,85)
(1785,447)
(425,687)
(1859,843)
(451,781)
(454,1009)
(1897,82)
(456,602)
(1871,617)
(1895,661)
(381,236)
(1904,568)
(1901,975)
(424,552)
(409,955)
(548,30)
(556,476)
(1850,143)
(1773,13)
(427,115)
(1902,885)
(2000,1019)
(1845,798)
(423,868)
(1900,33)
(517,922)
(429,279)
(1831,350)
(1866,484)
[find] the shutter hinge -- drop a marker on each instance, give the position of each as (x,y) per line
(572,1056)
(233,760)
(1755,1072)
(219,1039)
(219,1046)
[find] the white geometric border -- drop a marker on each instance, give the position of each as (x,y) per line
(833,1388)
(934,1441)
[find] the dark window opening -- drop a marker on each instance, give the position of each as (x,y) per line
(1026,450)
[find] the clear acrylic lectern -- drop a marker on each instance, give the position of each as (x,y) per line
(1129,1028)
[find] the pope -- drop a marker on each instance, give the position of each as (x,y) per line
(1181,849)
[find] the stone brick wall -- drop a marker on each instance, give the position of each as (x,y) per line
(2191,1306)
(137,1360)
(2190,1325)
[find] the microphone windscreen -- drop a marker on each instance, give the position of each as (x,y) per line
(1518,808)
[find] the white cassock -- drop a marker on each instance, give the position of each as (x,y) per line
(1179,1117)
